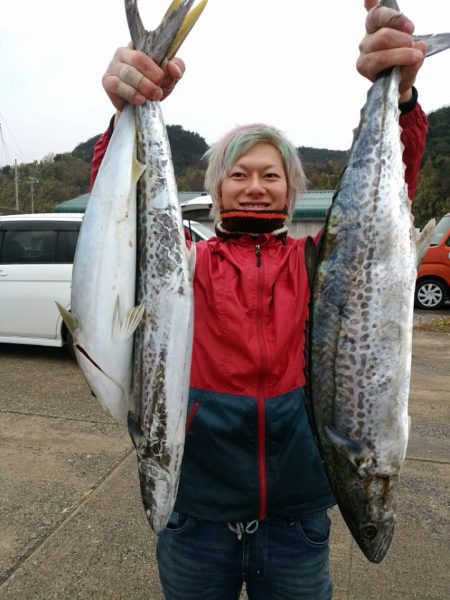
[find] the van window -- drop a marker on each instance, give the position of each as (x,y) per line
(65,249)
(24,247)
(34,246)
(440,229)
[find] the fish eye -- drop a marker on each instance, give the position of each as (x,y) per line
(369,532)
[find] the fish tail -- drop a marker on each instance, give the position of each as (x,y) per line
(436,42)
(163,42)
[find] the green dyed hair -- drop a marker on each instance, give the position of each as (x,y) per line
(223,154)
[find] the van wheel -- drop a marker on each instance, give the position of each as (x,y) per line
(430,294)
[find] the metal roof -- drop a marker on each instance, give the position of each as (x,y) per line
(77,204)
(311,205)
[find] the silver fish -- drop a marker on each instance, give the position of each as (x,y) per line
(103,314)
(163,340)
(361,322)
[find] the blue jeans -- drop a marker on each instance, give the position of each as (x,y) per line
(280,560)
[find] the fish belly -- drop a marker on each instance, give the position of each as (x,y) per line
(103,283)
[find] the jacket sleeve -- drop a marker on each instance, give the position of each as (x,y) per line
(414,125)
(99,152)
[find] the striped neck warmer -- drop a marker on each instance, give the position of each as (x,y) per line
(234,223)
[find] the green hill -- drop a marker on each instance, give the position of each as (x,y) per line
(61,177)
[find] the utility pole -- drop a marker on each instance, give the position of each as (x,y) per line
(32,181)
(16,181)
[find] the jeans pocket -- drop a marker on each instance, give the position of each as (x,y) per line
(177,522)
(314,528)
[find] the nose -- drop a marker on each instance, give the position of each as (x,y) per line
(255,186)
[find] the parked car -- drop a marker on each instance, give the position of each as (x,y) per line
(36,258)
(433,277)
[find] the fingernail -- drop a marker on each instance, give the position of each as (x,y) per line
(179,73)
(418,55)
(408,26)
(158,94)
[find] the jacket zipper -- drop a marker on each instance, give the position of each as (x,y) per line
(261,408)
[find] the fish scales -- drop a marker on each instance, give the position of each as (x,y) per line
(361,321)
(163,340)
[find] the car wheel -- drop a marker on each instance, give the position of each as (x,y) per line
(430,294)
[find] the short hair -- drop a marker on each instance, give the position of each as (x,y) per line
(223,154)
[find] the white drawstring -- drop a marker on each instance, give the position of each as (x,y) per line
(240,528)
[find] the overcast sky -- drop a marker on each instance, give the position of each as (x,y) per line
(284,62)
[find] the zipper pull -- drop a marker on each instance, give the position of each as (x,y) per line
(258,254)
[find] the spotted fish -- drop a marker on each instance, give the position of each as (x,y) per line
(163,339)
(361,321)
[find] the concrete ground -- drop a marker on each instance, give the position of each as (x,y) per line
(71,518)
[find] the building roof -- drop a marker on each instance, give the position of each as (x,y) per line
(77,204)
(311,205)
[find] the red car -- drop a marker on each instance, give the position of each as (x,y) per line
(433,276)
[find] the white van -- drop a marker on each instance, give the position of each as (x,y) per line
(36,258)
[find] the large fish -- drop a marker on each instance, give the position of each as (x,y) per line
(361,321)
(163,340)
(103,314)
(132,275)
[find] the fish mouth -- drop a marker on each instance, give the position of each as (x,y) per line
(378,552)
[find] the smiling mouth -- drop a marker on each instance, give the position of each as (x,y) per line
(254,206)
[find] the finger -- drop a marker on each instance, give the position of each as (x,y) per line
(175,68)
(385,39)
(130,76)
(370,4)
(120,93)
(126,80)
(409,73)
(370,65)
(139,61)
(381,16)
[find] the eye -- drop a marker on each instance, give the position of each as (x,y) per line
(237,174)
(271,175)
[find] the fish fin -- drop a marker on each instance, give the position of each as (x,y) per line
(125,327)
(436,42)
(137,168)
(67,317)
(422,239)
(357,453)
(133,318)
(134,430)
(188,23)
